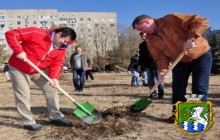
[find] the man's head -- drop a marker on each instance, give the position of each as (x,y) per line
(78,49)
(144,24)
(63,36)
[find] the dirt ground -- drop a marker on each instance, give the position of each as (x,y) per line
(112,95)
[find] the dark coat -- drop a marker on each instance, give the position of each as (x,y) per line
(134,62)
(145,58)
(86,61)
(6,68)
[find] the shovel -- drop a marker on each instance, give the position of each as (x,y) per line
(144,102)
(130,73)
(85,111)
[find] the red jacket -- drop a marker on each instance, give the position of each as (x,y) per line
(36,43)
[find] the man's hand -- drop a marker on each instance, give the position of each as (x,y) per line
(162,77)
(21,56)
(55,83)
(89,68)
(189,44)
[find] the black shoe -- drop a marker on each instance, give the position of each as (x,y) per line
(170,119)
(33,127)
(76,89)
(153,95)
(61,122)
(81,90)
(160,95)
(145,85)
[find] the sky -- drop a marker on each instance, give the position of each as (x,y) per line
(126,10)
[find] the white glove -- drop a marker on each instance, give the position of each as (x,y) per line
(55,83)
(162,77)
(189,44)
(21,56)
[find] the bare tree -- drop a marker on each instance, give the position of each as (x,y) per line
(103,40)
(128,43)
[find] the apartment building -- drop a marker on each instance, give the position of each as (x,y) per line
(91,27)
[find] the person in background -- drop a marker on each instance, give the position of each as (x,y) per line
(47,50)
(148,68)
(80,62)
(6,71)
(89,74)
(133,69)
(166,38)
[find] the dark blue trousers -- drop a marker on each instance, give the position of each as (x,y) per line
(81,75)
(200,69)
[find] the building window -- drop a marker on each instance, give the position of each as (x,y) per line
(10,23)
(88,25)
(44,27)
(18,22)
(2,17)
(89,19)
(112,30)
(53,17)
(112,25)
(74,20)
(95,19)
(103,19)
(26,23)
(111,19)
(72,25)
(80,36)
(34,22)
(25,17)
(81,19)
(63,25)
(19,17)
(34,17)
(43,23)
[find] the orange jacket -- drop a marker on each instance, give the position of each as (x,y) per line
(174,30)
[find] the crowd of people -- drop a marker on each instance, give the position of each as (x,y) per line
(163,40)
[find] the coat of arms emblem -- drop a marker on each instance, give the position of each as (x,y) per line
(194,116)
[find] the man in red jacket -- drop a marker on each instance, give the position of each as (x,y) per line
(47,50)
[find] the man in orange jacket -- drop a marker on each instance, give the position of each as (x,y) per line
(47,50)
(167,37)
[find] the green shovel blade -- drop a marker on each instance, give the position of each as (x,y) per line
(93,117)
(140,105)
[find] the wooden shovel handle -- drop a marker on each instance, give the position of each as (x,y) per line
(46,77)
(130,73)
(169,69)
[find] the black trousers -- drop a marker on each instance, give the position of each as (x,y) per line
(89,74)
